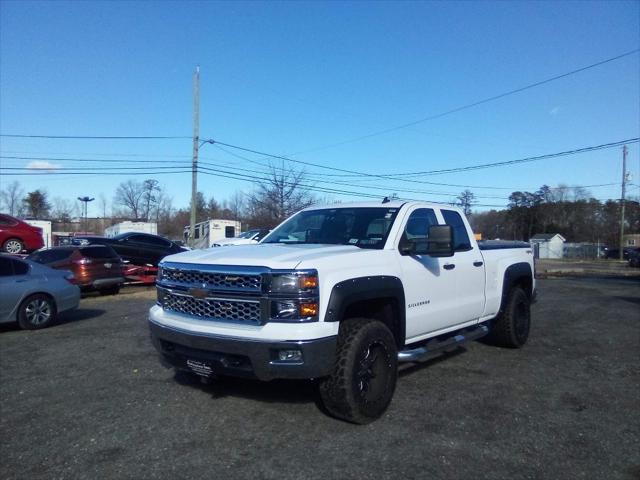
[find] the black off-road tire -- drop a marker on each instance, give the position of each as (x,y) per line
(36,311)
(363,380)
(13,245)
(511,328)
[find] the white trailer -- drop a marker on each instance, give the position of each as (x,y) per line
(207,232)
(45,226)
(125,227)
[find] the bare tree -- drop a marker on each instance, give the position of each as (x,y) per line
(63,209)
(129,195)
(150,191)
(276,198)
(236,205)
(103,204)
(11,198)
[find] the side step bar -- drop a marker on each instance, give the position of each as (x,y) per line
(421,354)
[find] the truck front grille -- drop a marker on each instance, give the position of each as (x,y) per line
(212,308)
(213,280)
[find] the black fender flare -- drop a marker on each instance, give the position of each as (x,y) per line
(513,275)
(359,289)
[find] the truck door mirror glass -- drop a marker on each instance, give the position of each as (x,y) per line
(440,242)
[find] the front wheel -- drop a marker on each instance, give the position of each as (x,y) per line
(36,311)
(363,380)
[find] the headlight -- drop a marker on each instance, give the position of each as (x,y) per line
(294,282)
(159,273)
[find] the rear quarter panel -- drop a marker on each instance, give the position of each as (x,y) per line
(496,264)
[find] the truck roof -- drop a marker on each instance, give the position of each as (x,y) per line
(389,204)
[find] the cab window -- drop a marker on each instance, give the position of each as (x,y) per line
(461,241)
(417,227)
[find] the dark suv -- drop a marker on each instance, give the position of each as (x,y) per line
(137,248)
(95,267)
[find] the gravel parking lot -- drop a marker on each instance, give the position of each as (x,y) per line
(88,399)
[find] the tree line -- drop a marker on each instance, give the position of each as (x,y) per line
(569,211)
(269,203)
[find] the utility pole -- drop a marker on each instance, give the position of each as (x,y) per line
(622,199)
(196,145)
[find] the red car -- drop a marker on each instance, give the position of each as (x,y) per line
(95,267)
(17,236)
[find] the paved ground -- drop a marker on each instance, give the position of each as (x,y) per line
(87,399)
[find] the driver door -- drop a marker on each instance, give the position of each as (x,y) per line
(429,287)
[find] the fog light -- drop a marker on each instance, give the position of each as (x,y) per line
(290,355)
(308,309)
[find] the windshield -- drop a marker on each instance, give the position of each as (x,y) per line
(360,227)
(247,234)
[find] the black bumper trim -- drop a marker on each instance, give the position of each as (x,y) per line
(241,357)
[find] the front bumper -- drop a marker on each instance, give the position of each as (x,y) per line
(210,355)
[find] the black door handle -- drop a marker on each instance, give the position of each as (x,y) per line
(449,266)
(477,264)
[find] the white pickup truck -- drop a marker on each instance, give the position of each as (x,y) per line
(341,294)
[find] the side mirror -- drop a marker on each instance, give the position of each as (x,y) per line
(440,242)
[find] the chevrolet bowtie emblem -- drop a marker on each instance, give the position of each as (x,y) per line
(198,293)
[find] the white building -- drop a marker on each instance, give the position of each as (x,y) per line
(548,245)
(45,226)
(125,227)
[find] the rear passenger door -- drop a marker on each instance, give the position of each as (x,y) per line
(468,267)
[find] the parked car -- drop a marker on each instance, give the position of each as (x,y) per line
(96,267)
(634,258)
(137,248)
(614,253)
(17,236)
(34,294)
(247,238)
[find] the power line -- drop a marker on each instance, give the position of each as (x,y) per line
(93,172)
(81,137)
(254,179)
(470,105)
(91,160)
(522,160)
(399,176)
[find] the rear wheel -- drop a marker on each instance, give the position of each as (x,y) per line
(36,311)
(363,381)
(511,327)
(13,245)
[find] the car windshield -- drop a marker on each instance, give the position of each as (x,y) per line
(247,234)
(360,227)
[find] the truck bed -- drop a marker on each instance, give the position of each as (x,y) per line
(502,244)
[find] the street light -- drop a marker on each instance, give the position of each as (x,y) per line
(86,201)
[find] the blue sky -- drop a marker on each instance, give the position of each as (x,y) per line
(290,77)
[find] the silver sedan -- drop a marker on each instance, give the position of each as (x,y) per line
(34,294)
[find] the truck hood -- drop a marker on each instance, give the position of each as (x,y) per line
(264,255)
